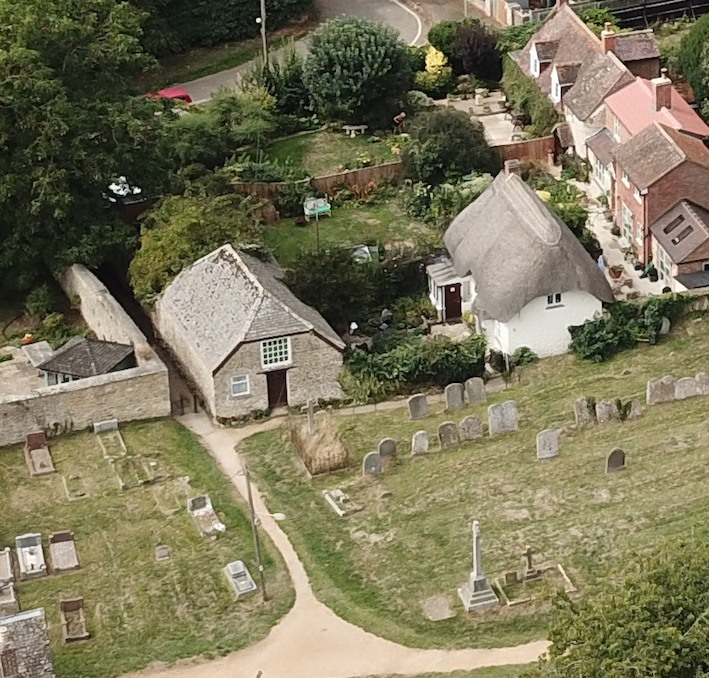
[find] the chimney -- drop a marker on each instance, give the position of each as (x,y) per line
(608,38)
(513,167)
(661,91)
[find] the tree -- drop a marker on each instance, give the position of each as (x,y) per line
(654,623)
(437,80)
(68,129)
(445,144)
(693,58)
(357,71)
(442,36)
(596,19)
(476,49)
(515,37)
(181,229)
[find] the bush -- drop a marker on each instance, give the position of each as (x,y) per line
(248,170)
(574,167)
(514,38)
(417,57)
(475,47)
(435,85)
(442,36)
(524,356)
(40,301)
(597,17)
(693,60)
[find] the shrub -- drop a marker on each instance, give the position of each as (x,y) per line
(574,167)
(513,38)
(597,17)
(476,49)
(435,85)
(417,57)
(40,301)
(693,60)
(524,356)
(442,36)
(248,170)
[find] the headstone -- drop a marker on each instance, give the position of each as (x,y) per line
(530,572)
(511,578)
(582,413)
(660,390)
(471,428)
(448,435)
(606,411)
(547,443)
(419,443)
(476,593)
(319,419)
(615,461)
(162,553)
(311,417)
(702,379)
(636,409)
(686,388)
(372,464)
(103,426)
(455,397)
(475,390)
(502,418)
(665,326)
(418,406)
(387,447)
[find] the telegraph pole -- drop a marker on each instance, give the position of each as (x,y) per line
(262,21)
(254,529)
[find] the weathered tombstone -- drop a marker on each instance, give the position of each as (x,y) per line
(471,428)
(606,411)
(475,390)
(162,553)
(103,426)
(636,409)
(319,419)
(419,443)
(615,461)
(686,388)
(582,413)
(547,443)
(660,390)
(387,447)
(502,418)
(477,593)
(372,464)
(311,417)
(702,379)
(455,397)
(530,572)
(448,435)
(418,406)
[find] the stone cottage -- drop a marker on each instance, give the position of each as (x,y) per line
(244,339)
(24,646)
(518,268)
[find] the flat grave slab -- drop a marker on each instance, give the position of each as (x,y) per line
(240,579)
(62,550)
(30,555)
(340,502)
(37,456)
(6,572)
(73,619)
(8,599)
(203,514)
(437,608)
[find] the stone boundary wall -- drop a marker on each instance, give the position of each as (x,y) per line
(141,392)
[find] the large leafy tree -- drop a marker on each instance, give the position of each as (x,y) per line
(68,129)
(693,58)
(654,623)
(357,71)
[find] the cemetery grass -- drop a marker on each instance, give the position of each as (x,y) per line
(509,671)
(138,610)
(374,568)
(328,152)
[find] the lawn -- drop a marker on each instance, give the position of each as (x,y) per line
(488,672)
(327,152)
(348,225)
(412,540)
(140,610)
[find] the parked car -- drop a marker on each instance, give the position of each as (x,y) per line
(171,93)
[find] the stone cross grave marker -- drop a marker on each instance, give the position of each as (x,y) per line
(530,572)
(615,461)
(455,397)
(471,428)
(475,390)
(387,447)
(419,443)
(477,593)
(547,443)
(582,414)
(418,406)
(502,418)
(448,435)
(372,464)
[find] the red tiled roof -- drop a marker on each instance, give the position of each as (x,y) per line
(632,105)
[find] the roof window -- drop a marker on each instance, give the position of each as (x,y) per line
(682,235)
(673,224)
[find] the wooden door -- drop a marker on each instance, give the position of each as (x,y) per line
(453,302)
(277,384)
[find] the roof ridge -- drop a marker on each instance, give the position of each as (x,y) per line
(663,130)
(532,216)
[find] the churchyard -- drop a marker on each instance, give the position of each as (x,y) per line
(138,609)
(388,566)
(489,672)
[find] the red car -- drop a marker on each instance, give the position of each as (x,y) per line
(172,93)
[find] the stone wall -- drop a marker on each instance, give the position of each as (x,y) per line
(29,642)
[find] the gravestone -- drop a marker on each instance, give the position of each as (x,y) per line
(162,553)
(547,443)
(418,406)
(387,447)
(448,435)
(702,379)
(615,461)
(319,419)
(471,428)
(455,397)
(311,417)
(606,411)
(531,573)
(502,418)
(686,388)
(476,593)
(582,413)
(475,390)
(636,409)
(103,426)
(372,464)
(419,443)
(660,390)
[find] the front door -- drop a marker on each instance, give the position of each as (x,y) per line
(277,383)
(453,302)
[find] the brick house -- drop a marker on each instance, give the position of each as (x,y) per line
(24,646)
(656,169)
(244,339)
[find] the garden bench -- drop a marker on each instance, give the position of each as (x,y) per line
(354,130)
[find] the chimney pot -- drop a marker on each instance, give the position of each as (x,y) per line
(608,37)
(513,167)
(661,91)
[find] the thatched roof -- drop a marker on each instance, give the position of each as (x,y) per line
(517,249)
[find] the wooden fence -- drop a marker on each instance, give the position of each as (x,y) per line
(530,150)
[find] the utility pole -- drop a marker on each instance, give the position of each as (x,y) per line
(262,21)
(254,529)
(465,9)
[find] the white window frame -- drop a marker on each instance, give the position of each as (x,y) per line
(636,194)
(625,179)
(616,128)
(554,300)
(534,68)
(664,264)
(240,379)
(626,222)
(274,348)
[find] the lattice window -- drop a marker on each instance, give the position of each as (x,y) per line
(275,352)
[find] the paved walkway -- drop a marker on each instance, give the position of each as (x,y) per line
(311,641)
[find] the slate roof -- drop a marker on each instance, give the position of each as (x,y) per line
(682,230)
(517,249)
(657,150)
(693,280)
(636,46)
(81,357)
(603,76)
(602,144)
(546,50)
(633,106)
(563,134)
(228,297)
(27,637)
(567,73)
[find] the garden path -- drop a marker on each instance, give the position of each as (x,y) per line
(311,641)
